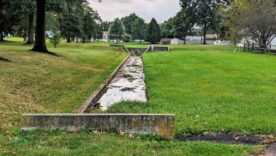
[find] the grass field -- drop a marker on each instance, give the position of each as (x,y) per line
(211,88)
(208,88)
(87,144)
(34,82)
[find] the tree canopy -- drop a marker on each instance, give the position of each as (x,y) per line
(117,30)
(254,19)
(153,33)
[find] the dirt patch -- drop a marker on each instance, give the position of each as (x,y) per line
(226,138)
(271,150)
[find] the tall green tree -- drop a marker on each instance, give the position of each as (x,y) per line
(168,28)
(183,25)
(72,19)
(90,23)
(139,29)
(153,33)
(27,10)
(128,22)
(185,19)
(8,17)
(134,26)
(116,30)
(206,15)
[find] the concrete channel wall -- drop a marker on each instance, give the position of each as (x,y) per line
(142,124)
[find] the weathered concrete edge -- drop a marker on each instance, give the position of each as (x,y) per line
(98,93)
(95,114)
(141,124)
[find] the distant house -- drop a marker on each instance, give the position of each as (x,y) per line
(105,35)
(212,36)
(177,41)
(171,41)
(165,41)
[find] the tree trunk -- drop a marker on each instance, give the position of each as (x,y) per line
(184,39)
(204,34)
(30,30)
(40,42)
(1,37)
(263,42)
(83,40)
(68,40)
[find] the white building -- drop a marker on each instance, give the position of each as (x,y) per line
(176,41)
(105,36)
(173,41)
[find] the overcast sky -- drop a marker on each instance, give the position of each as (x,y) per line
(161,10)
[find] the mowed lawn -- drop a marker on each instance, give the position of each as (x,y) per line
(34,82)
(211,88)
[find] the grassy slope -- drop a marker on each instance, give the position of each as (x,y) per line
(22,81)
(211,89)
(35,82)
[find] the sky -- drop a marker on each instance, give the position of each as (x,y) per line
(161,10)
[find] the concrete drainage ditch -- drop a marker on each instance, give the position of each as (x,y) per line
(126,83)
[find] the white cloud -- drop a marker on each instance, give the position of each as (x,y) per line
(161,10)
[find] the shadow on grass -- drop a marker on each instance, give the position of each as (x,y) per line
(47,53)
(4,59)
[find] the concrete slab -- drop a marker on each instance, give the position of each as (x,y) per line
(127,85)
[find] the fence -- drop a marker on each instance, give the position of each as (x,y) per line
(259,49)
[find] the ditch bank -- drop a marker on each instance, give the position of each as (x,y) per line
(126,83)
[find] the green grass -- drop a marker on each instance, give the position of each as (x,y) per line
(86,144)
(34,82)
(211,88)
(137,45)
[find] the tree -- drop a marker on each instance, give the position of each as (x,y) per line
(40,42)
(134,26)
(139,29)
(8,17)
(255,19)
(185,19)
(71,26)
(153,34)
(72,19)
(116,30)
(168,28)
(27,8)
(206,15)
(90,23)
(55,39)
(128,22)
(103,26)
